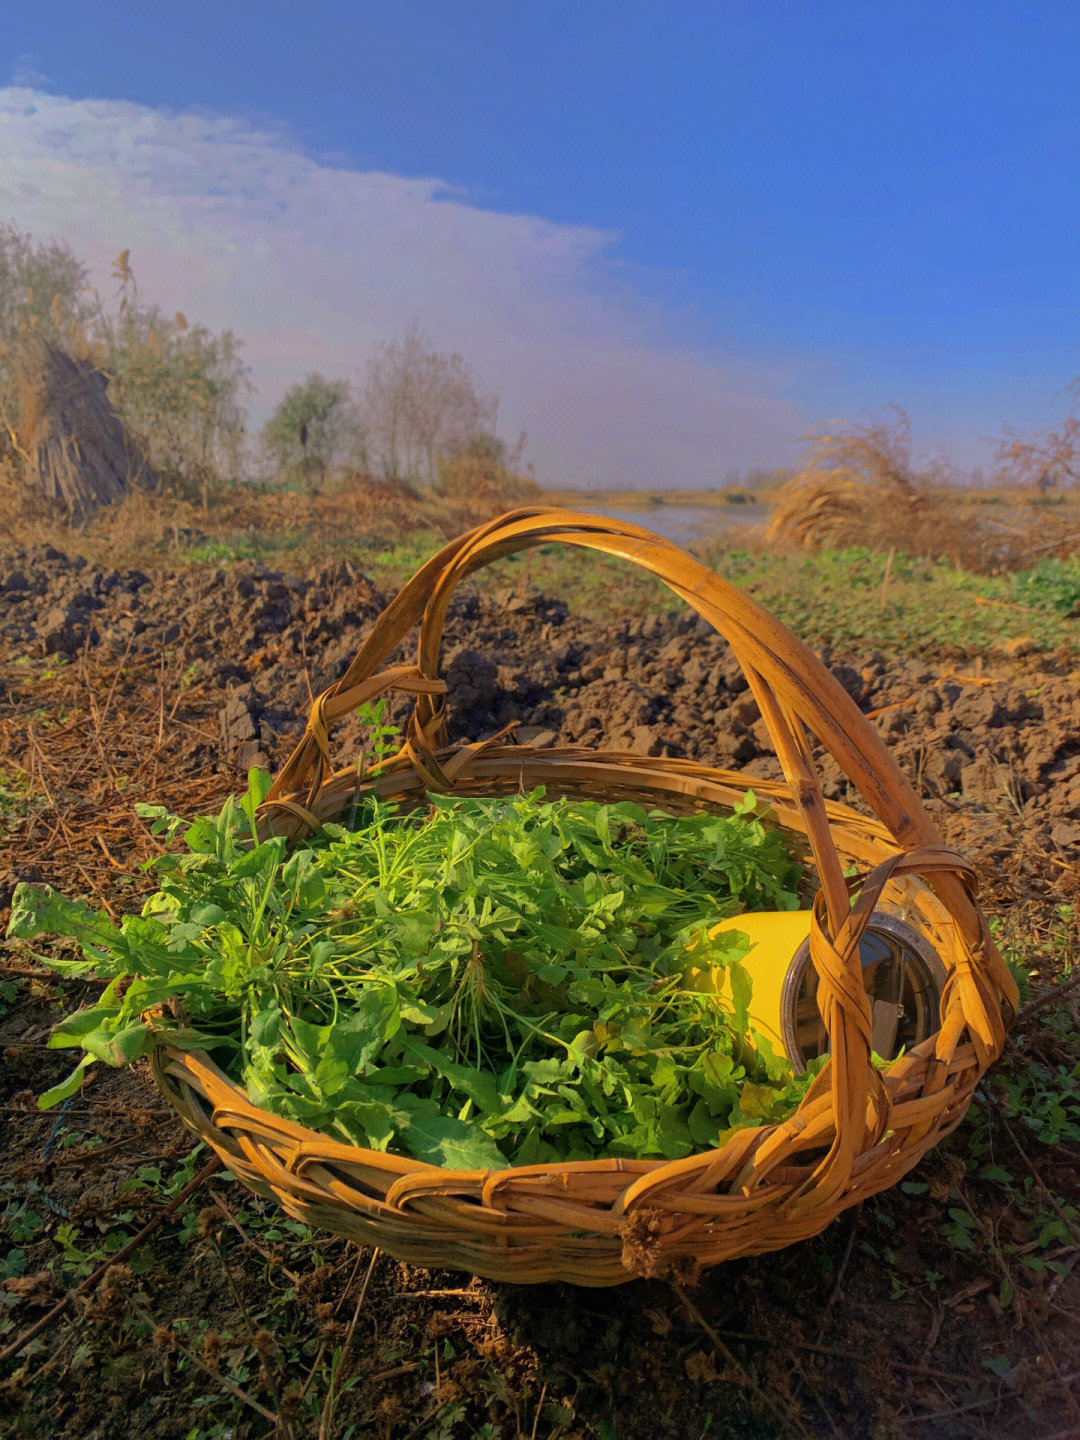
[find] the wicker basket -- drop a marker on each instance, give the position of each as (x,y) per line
(602,1222)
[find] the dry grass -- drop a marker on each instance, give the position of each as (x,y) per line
(855,487)
(153,529)
(858,486)
(484,481)
(69,436)
(23,507)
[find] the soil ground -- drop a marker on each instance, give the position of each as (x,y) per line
(947,1307)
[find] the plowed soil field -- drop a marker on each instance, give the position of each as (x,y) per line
(948,1307)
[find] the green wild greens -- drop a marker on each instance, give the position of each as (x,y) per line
(475,982)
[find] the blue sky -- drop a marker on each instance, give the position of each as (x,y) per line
(671,238)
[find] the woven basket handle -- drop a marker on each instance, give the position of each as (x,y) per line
(795,692)
(798,698)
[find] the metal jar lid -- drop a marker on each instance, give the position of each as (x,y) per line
(904,980)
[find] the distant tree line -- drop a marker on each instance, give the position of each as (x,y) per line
(180,389)
(416,412)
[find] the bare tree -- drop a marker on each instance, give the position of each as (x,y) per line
(1048,459)
(421,406)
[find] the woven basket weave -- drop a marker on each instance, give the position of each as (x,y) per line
(602,1222)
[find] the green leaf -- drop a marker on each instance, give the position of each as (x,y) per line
(67,1087)
(261,859)
(265,1026)
(455,1144)
(395,1075)
(413,931)
(996,1173)
(122,1047)
(373,1019)
(742,989)
(330,1074)
(756,1101)
(42,911)
(73,1029)
(300,875)
(259,783)
(150,812)
(478,1085)
(208,914)
(354,1040)
(703,1125)
(201,837)
(369,1122)
(415,1012)
(673,1134)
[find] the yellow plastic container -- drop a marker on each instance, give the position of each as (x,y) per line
(904,978)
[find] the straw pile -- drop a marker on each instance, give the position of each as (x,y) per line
(71,439)
(856,488)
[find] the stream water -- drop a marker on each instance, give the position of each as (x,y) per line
(684,523)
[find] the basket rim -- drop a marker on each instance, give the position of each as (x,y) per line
(330,1147)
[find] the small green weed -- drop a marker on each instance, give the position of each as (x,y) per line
(21,1224)
(9,994)
(1051,585)
(229,550)
(13,1264)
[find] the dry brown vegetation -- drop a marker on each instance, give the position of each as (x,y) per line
(69,436)
(149,529)
(483,480)
(859,486)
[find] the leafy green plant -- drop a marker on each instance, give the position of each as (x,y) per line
(472,982)
(13,1264)
(381,739)
(75,1258)
(1051,585)
(20,1223)
(314,421)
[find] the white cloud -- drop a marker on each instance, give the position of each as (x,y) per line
(312,264)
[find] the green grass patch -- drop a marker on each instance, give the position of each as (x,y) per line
(832,597)
(242,546)
(856,596)
(1052,585)
(907,608)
